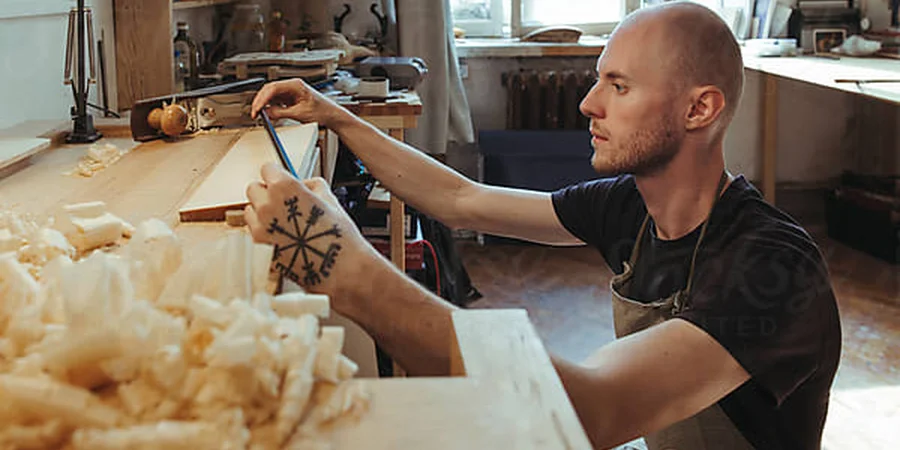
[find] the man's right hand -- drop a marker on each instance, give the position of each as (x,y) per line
(294,99)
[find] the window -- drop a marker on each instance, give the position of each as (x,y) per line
(518,17)
(479,17)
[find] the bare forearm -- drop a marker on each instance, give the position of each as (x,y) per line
(418,179)
(594,405)
(412,325)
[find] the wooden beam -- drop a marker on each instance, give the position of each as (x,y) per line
(398,213)
(144,50)
(514,356)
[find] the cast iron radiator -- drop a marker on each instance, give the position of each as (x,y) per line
(546,100)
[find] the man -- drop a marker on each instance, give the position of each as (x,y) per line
(729,334)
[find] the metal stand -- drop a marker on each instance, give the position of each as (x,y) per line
(83,130)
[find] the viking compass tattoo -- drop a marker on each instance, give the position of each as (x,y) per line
(317,259)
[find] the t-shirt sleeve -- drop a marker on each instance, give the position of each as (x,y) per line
(769,302)
(596,210)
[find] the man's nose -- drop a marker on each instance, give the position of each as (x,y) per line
(591,105)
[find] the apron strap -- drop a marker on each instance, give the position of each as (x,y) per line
(636,250)
(722,182)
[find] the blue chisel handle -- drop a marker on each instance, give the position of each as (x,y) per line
(282,155)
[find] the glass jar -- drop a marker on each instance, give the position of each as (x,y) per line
(247,30)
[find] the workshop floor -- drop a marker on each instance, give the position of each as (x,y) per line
(565,291)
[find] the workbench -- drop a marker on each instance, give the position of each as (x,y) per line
(502,391)
(818,71)
(393,117)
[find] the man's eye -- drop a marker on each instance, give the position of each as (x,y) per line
(619,88)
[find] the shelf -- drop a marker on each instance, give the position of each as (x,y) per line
(188,4)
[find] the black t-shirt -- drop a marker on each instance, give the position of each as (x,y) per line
(761,289)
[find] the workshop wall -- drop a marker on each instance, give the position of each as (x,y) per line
(31,62)
(820,131)
(32,68)
(32,57)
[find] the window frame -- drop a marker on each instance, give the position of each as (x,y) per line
(496,27)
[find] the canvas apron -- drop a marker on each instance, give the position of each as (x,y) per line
(709,429)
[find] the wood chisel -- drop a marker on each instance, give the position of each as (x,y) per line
(282,155)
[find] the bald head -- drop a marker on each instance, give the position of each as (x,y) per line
(697,47)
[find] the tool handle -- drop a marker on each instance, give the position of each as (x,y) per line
(90,44)
(282,155)
(70,47)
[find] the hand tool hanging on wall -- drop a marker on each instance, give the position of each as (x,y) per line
(339,19)
(80,20)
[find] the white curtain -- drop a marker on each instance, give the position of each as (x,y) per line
(424,28)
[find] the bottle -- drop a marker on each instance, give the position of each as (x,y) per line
(247,30)
(276,33)
(187,59)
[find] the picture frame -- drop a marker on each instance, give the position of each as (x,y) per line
(825,39)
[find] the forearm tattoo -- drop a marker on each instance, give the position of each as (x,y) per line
(318,260)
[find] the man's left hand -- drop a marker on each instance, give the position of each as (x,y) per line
(316,242)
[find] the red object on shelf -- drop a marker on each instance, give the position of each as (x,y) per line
(415,253)
(415,256)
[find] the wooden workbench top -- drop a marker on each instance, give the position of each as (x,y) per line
(503,392)
(824,72)
(403,104)
(152,180)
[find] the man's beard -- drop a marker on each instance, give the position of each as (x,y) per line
(644,152)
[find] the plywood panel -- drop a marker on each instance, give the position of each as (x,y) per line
(225,188)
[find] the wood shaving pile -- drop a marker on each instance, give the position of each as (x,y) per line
(155,348)
(75,231)
(96,158)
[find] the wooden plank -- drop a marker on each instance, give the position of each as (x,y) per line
(14,150)
(189,4)
(14,157)
(408,104)
(225,188)
(514,354)
(398,214)
(388,122)
(770,135)
(151,180)
(144,50)
(508,397)
(443,414)
(329,143)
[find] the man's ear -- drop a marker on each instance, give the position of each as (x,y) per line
(707,104)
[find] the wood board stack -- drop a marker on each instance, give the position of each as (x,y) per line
(311,65)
